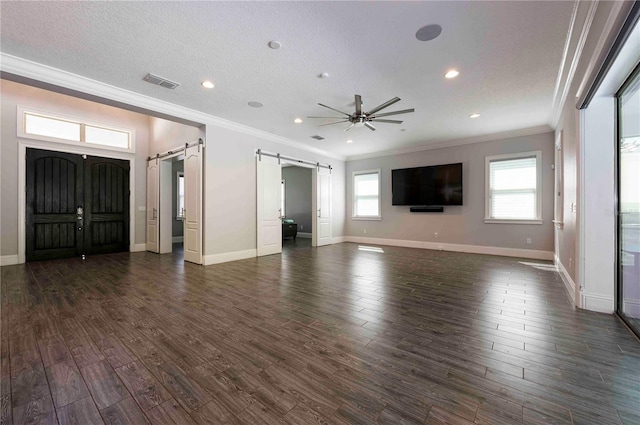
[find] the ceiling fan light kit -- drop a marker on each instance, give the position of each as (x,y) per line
(359,118)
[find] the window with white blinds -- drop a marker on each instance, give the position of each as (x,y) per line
(513,188)
(366,194)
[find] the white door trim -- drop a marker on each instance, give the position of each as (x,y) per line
(80,150)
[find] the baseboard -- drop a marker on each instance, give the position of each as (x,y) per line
(597,303)
(228,256)
(631,307)
(177,239)
(338,239)
(471,249)
(138,247)
(566,278)
(304,235)
(8,260)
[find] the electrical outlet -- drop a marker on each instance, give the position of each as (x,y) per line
(301,227)
(529,240)
(435,235)
(364,231)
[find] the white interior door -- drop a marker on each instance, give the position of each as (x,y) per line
(153,205)
(269,223)
(193,204)
(321,207)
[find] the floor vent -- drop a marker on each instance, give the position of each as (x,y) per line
(317,137)
(159,81)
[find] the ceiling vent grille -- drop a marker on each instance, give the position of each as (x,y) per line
(159,81)
(317,137)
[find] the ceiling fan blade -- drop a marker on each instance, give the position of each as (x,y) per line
(384,105)
(386,114)
(370,126)
(331,118)
(358,105)
(350,127)
(331,123)
(333,109)
(388,121)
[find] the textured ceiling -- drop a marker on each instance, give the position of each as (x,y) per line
(508,55)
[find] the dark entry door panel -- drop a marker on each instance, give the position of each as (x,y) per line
(54,185)
(75,205)
(107,206)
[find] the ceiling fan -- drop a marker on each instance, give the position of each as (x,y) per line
(364,119)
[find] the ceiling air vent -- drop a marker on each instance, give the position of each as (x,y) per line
(317,137)
(159,81)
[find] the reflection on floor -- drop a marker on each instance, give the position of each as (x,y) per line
(336,334)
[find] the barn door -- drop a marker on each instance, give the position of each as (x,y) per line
(322,207)
(269,221)
(106,206)
(54,219)
(153,205)
(193,205)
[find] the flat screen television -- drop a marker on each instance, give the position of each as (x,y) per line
(433,185)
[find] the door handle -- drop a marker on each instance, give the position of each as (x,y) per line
(155,214)
(319,213)
(80,212)
(280,216)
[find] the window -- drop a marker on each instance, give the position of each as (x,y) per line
(282,194)
(366,194)
(180,195)
(513,188)
(47,127)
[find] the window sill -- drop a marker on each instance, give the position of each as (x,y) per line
(507,221)
(372,218)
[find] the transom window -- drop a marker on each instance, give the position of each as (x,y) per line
(513,188)
(366,194)
(47,126)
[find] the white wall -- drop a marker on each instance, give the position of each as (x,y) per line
(165,135)
(230,191)
(14,94)
(458,224)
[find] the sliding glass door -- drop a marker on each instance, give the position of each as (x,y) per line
(629,201)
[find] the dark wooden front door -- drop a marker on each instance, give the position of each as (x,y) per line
(75,205)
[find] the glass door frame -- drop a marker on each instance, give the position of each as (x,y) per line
(619,293)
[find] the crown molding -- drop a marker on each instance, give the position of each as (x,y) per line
(581,20)
(460,142)
(96,90)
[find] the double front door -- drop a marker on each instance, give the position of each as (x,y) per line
(76,205)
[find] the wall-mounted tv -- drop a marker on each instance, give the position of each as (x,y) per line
(434,185)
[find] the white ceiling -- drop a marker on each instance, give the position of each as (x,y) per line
(508,55)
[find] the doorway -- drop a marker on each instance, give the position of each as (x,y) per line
(297,194)
(76,205)
(628,179)
(271,214)
(162,207)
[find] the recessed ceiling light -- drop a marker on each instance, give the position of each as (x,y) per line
(476,115)
(297,120)
(207,84)
(349,141)
(428,32)
(451,74)
(254,104)
(275,44)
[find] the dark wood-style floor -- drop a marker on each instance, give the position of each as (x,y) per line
(339,335)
